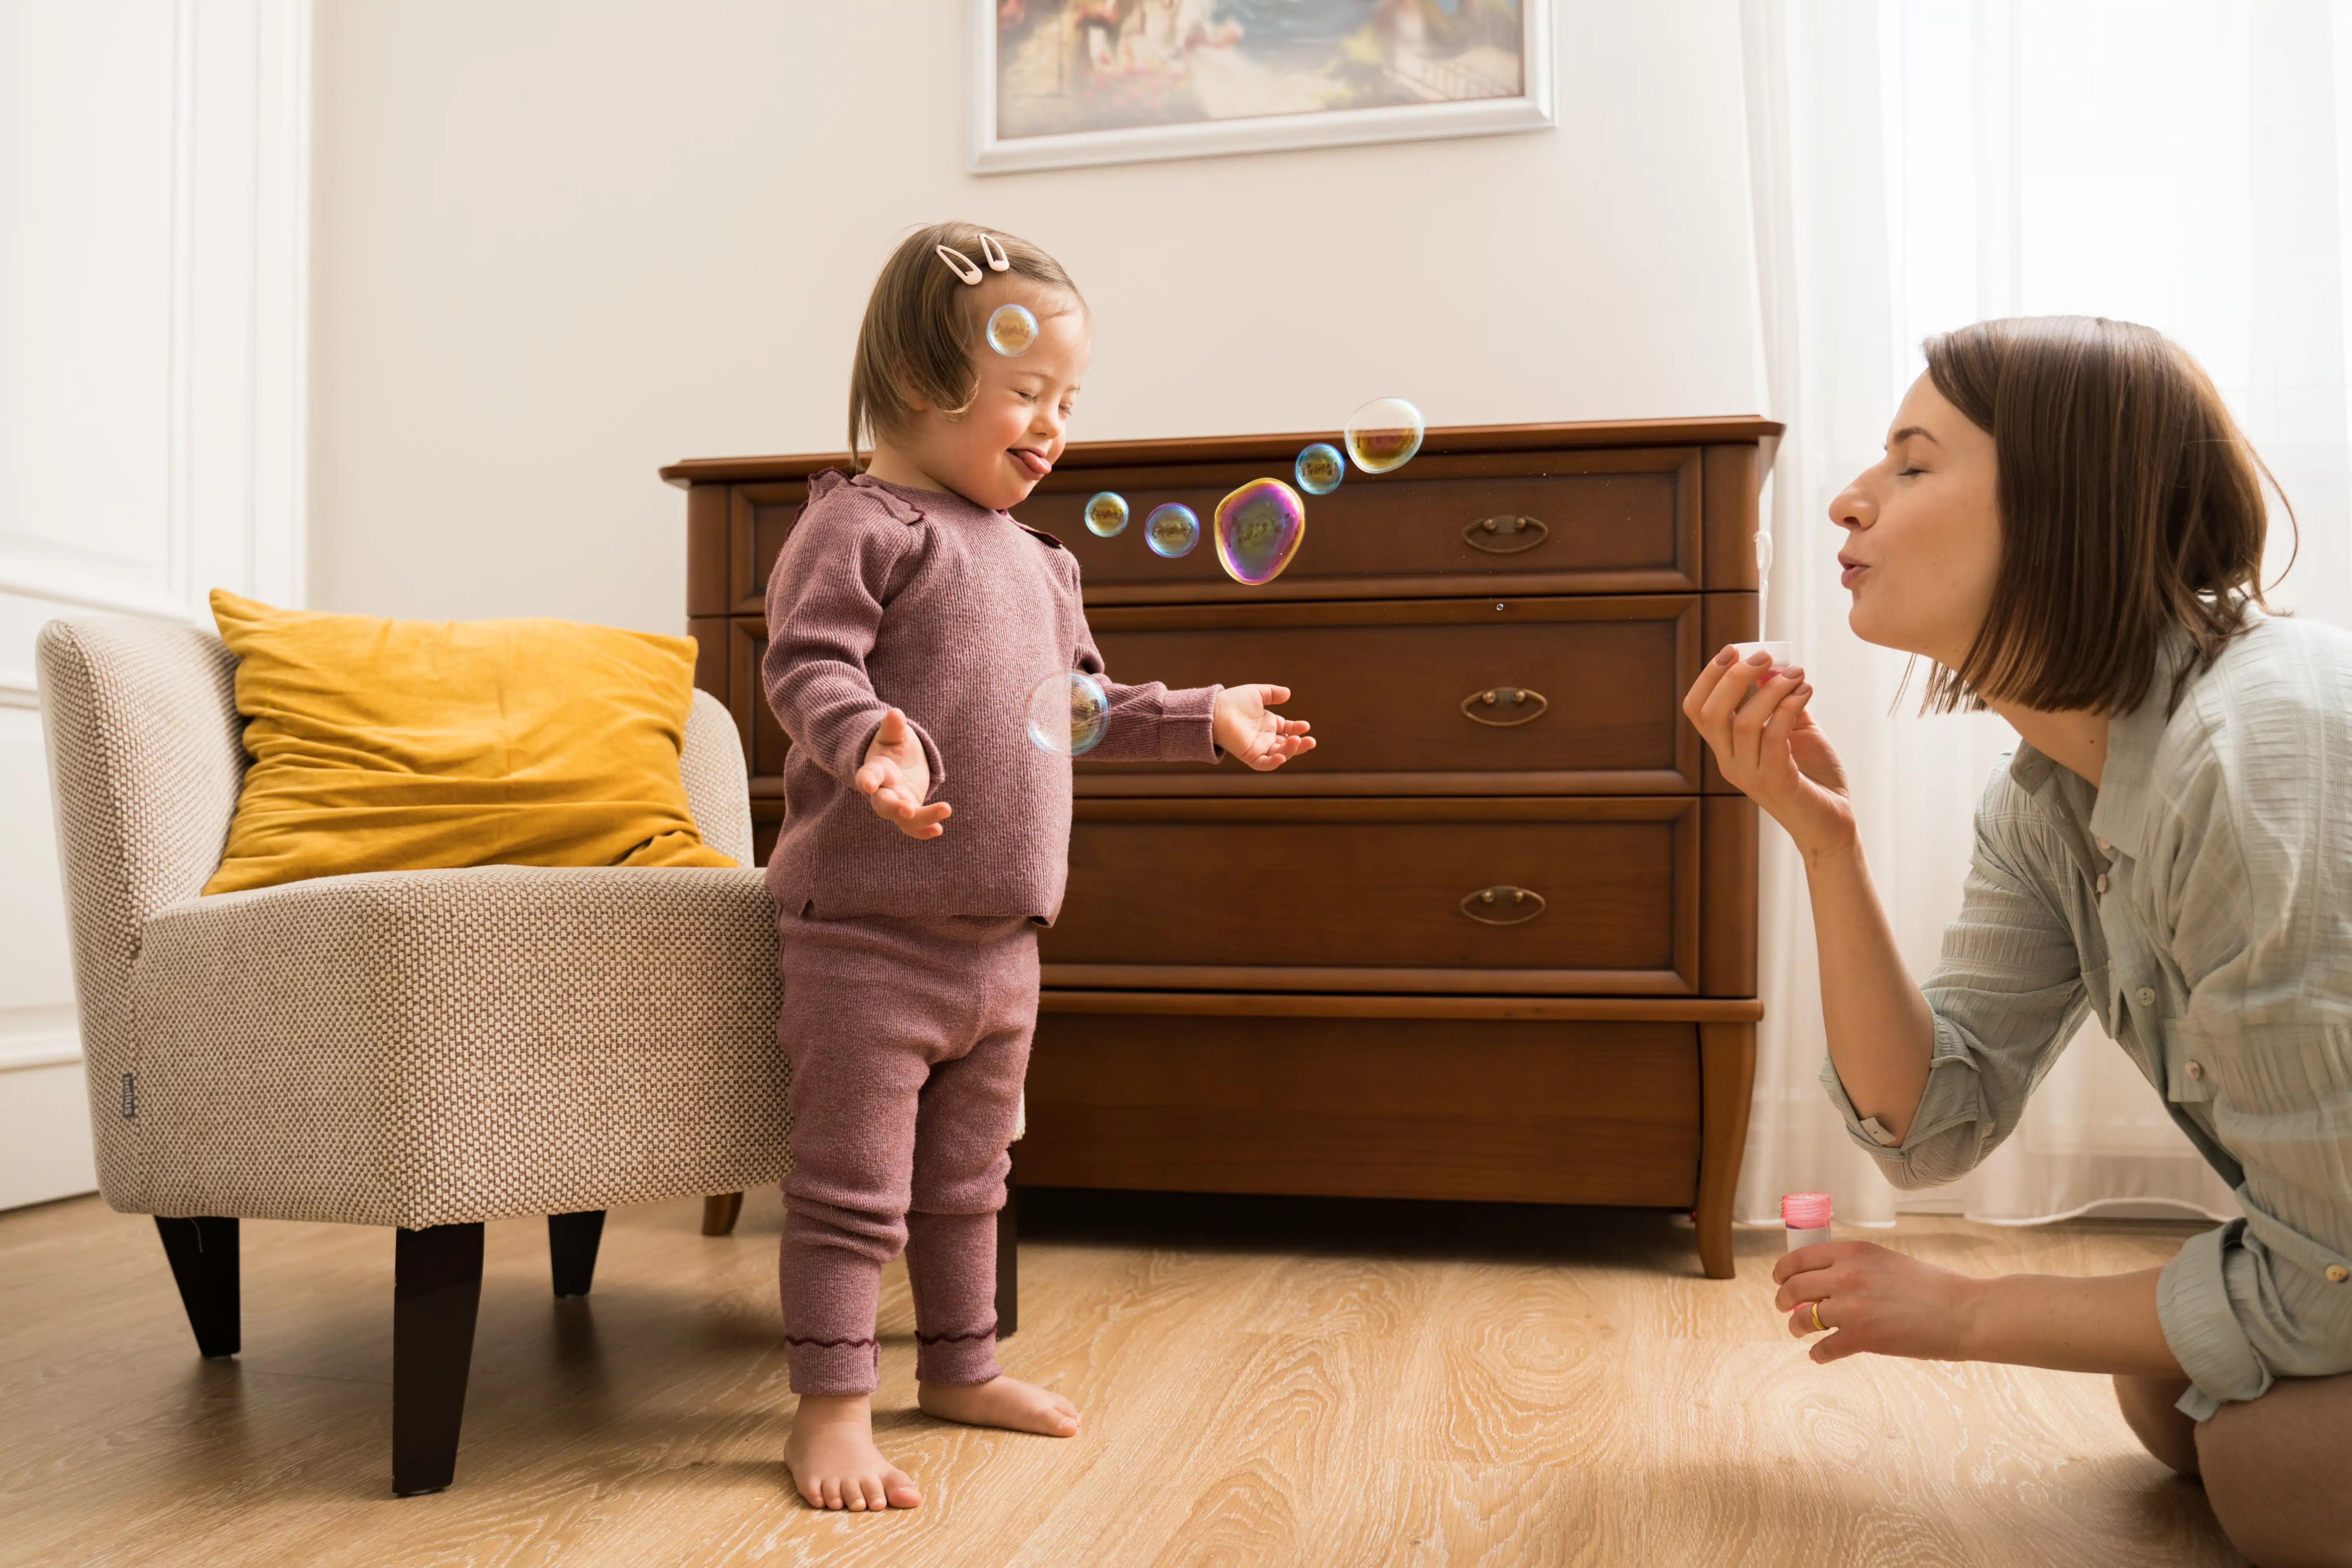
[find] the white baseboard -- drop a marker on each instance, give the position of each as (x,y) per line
(45,1143)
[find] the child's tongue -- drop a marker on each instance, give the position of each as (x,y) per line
(1034,462)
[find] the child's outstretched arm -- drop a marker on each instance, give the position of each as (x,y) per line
(824,611)
(1201,723)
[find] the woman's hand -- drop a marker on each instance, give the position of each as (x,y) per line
(1770,748)
(1245,725)
(1872,1299)
(897,777)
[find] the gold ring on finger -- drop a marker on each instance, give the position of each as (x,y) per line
(1819,1327)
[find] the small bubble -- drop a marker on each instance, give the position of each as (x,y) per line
(1068,714)
(1763,552)
(1171,529)
(1012,330)
(1320,468)
(1384,434)
(1107,513)
(1259,527)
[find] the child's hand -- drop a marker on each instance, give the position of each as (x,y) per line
(1244,726)
(896,778)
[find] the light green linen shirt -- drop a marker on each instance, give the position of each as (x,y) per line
(2200,902)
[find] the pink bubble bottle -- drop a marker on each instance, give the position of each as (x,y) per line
(1807,1216)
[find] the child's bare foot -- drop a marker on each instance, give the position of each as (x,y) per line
(834,1462)
(1002,1401)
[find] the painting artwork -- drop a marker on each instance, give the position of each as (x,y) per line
(1080,72)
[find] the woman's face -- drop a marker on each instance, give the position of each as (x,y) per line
(1922,532)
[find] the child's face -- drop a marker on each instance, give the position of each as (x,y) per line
(994,452)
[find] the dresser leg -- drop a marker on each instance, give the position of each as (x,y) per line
(1726,1072)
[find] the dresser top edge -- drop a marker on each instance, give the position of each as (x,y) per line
(1448,440)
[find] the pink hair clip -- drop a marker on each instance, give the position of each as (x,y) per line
(960,264)
(965,267)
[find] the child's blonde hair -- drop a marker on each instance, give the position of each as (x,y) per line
(922,327)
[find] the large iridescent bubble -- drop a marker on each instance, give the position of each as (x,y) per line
(1068,714)
(1107,513)
(1320,468)
(1171,529)
(1012,330)
(1258,529)
(1384,434)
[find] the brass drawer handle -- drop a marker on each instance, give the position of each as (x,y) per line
(1503,706)
(1506,535)
(1503,906)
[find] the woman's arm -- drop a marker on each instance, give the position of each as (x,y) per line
(1881,1033)
(1888,1304)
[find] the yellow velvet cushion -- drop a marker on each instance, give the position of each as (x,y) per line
(382,745)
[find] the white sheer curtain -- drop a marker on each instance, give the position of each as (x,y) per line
(1918,164)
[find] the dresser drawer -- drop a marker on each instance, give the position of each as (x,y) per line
(1433,695)
(1592,522)
(1526,1111)
(1383,895)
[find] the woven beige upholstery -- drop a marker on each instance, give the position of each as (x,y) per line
(411,1049)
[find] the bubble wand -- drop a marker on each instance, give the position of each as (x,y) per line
(1783,653)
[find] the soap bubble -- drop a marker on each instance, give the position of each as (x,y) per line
(1384,434)
(1068,714)
(1764,553)
(1171,529)
(1107,513)
(1259,527)
(1012,330)
(1320,468)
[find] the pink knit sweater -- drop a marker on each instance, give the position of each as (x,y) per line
(887,596)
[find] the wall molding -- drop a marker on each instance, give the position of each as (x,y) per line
(164,193)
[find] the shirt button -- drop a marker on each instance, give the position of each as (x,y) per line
(2102,884)
(2196,1069)
(2145,995)
(2337,1274)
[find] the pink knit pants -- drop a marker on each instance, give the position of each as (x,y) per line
(908,1039)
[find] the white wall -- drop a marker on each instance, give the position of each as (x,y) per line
(153,182)
(560,243)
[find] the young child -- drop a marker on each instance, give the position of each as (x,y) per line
(908,620)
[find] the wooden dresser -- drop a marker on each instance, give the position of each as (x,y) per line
(1496,938)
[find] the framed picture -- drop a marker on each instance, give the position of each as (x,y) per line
(1059,83)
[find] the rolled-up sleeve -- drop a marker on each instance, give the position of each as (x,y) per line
(2200,1324)
(2006,997)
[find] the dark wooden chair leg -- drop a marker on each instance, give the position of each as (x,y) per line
(1726,1069)
(437,1288)
(1008,1261)
(572,1241)
(202,1252)
(719,1212)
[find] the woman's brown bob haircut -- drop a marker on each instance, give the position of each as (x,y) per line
(2129,505)
(923,326)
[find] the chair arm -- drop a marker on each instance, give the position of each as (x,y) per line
(718,784)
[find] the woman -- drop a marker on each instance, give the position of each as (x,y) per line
(2068,523)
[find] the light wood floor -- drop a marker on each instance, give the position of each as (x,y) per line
(1265,1383)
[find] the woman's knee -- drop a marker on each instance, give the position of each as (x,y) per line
(2148,1405)
(2278,1471)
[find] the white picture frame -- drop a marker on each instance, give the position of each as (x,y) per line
(1531,109)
